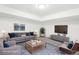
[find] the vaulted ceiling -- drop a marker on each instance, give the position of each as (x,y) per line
(52,11)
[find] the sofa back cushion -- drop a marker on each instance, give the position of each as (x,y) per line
(19,34)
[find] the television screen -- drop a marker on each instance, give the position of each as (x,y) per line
(61,29)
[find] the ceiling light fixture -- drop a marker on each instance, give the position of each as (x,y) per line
(41,6)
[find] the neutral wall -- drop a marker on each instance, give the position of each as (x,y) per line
(73,26)
(7,24)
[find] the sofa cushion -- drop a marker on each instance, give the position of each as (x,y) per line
(18,39)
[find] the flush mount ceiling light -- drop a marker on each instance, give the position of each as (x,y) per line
(41,6)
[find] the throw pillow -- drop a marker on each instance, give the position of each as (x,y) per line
(31,33)
(6,45)
(12,35)
(27,34)
(70,45)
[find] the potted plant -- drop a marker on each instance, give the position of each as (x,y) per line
(42,32)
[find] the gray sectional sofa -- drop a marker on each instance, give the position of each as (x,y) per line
(59,38)
(19,38)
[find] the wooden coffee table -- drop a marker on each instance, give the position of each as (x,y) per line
(33,46)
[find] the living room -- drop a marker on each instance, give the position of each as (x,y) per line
(23,23)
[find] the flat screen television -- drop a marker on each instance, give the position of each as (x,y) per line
(61,29)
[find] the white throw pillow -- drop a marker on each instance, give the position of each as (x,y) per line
(4,36)
(23,35)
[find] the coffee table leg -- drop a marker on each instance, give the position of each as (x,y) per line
(31,52)
(45,45)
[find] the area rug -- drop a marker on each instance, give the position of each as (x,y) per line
(49,50)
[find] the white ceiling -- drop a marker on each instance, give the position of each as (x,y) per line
(41,13)
(51,9)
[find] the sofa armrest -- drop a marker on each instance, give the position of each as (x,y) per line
(10,51)
(65,49)
(11,43)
